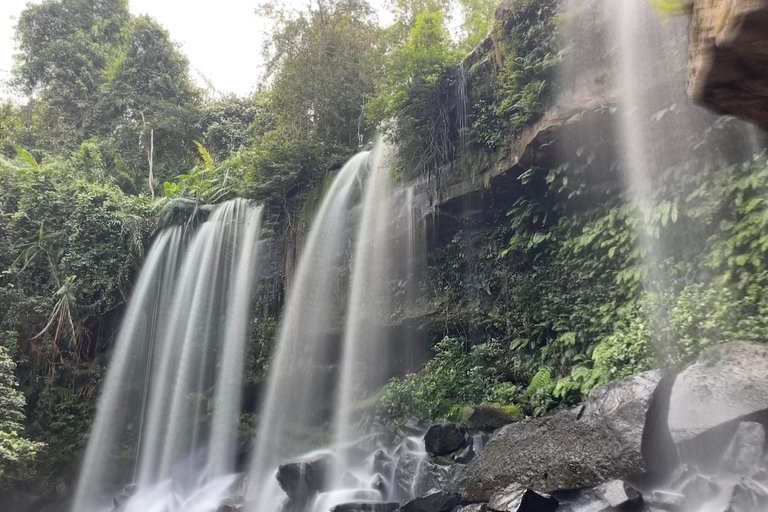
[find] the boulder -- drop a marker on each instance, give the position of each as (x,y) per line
(517,499)
(613,495)
(747,497)
(433,501)
(366,506)
(123,496)
(232,504)
(669,501)
(444,439)
(604,439)
(304,478)
(729,57)
(490,418)
(699,489)
(727,384)
(746,449)
(472,507)
(415,475)
(618,494)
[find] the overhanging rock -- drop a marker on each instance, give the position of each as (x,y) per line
(729,57)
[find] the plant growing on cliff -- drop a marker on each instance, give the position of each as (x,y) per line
(17,452)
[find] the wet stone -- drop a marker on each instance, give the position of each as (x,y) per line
(434,501)
(525,500)
(746,449)
(444,439)
(466,455)
(366,506)
(747,496)
(669,501)
(699,489)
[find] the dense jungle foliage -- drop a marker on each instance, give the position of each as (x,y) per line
(530,310)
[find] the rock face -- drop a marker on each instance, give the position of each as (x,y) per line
(435,501)
(729,57)
(726,385)
(415,476)
(746,449)
(444,439)
(490,418)
(581,447)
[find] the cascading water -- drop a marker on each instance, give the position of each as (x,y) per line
(183,335)
(337,332)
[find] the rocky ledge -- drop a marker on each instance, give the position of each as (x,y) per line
(729,57)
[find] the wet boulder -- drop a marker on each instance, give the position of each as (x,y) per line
(466,455)
(433,501)
(747,496)
(125,495)
(726,385)
(601,440)
(699,489)
(472,507)
(519,499)
(444,439)
(232,504)
(490,418)
(415,475)
(366,506)
(743,455)
(304,478)
(668,501)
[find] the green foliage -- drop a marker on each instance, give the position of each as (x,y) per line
(411,95)
(17,452)
(456,377)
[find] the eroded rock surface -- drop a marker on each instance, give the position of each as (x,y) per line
(729,57)
(727,384)
(582,447)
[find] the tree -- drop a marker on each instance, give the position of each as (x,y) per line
(65,46)
(324,63)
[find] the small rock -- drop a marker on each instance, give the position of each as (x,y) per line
(669,501)
(617,493)
(366,506)
(466,455)
(434,501)
(699,489)
(746,449)
(443,439)
(517,499)
(123,496)
(378,483)
(747,497)
(490,418)
(232,504)
(415,476)
(474,507)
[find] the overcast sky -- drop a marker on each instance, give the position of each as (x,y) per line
(221,38)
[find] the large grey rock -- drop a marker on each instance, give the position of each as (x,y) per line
(415,475)
(581,447)
(729,57)
(434,501)
(444,439)
(746,449)
(725,383)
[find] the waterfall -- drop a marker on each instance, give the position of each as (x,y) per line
(300,379)
(183,335)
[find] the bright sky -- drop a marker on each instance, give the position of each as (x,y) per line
(222,38)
